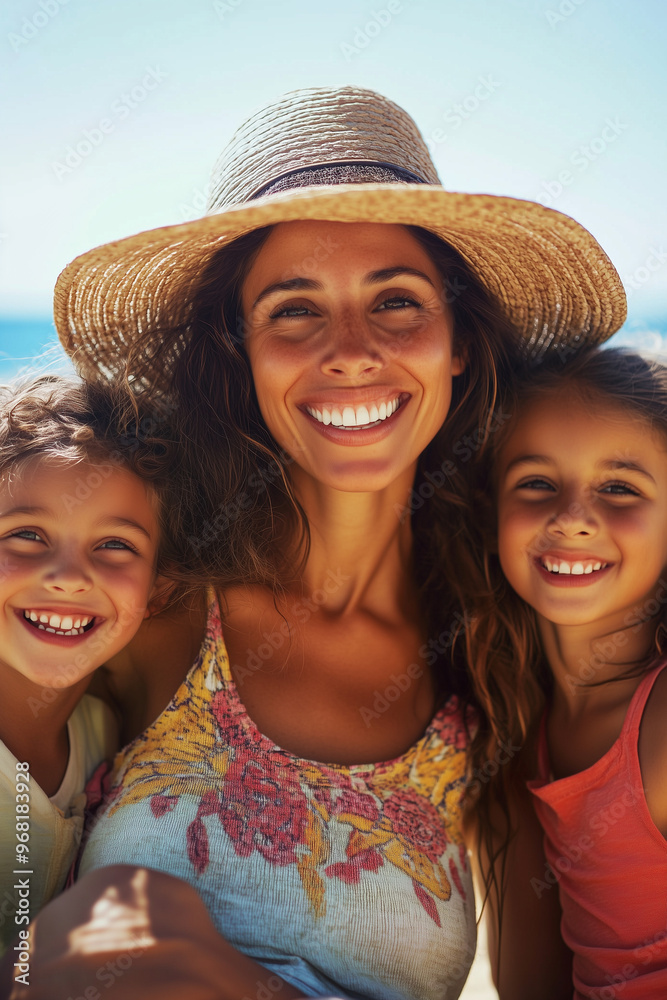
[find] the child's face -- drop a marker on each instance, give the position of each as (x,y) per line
(78,546)
(583,489)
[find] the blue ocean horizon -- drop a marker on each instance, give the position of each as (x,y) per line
(30,344)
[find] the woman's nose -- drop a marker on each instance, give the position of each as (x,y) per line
(352,351)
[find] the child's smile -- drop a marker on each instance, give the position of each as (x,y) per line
(582,511)
(63,627)
(75,574)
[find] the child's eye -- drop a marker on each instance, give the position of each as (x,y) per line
(619,489)
(535,484)
(116,545)
(399,302)
(27,534)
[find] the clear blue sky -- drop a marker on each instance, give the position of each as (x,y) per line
(574,88)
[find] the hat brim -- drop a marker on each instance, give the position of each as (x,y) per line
(547,271)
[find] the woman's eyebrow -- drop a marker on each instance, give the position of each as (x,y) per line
(388,273)
(291,285)
(309,284)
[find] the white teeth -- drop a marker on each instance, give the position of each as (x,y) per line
(350,416)
(574,569)
(66,625)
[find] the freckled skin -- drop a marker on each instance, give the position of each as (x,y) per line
(349,339)
(71,557)
(570,503)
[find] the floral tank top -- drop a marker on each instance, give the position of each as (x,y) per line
(345,880)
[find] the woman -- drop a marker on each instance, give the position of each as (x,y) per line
(334,368)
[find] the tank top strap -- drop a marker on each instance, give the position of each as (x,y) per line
(633,718)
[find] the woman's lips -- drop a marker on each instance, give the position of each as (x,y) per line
(363,435)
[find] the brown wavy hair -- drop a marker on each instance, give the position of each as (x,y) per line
(242,517)
(64,419)
(510,677)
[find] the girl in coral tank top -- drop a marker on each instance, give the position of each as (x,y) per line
(581,490)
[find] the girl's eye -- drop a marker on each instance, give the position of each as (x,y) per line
(535,484)
(399,302)
(619,489)
(116,545)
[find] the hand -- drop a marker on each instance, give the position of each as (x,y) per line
(148,929)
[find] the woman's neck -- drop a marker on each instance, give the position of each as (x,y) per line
(582,657)
(360,541)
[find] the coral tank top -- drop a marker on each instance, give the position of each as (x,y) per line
(610,862)
(344,880)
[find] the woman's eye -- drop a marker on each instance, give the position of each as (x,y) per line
(399,302)
(288,311)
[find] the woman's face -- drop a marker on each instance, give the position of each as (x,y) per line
(349,338)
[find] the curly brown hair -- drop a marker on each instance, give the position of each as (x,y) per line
(243,514)
(64,419)
(244,517)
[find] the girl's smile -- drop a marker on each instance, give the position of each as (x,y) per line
(582,511)
(571,570)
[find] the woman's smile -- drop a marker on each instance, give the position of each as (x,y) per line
(357,355)
(347,414)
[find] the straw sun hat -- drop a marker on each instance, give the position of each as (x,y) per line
(343,155)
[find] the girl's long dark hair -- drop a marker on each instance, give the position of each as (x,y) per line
(510,678)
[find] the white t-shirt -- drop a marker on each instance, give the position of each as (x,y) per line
(56,823)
